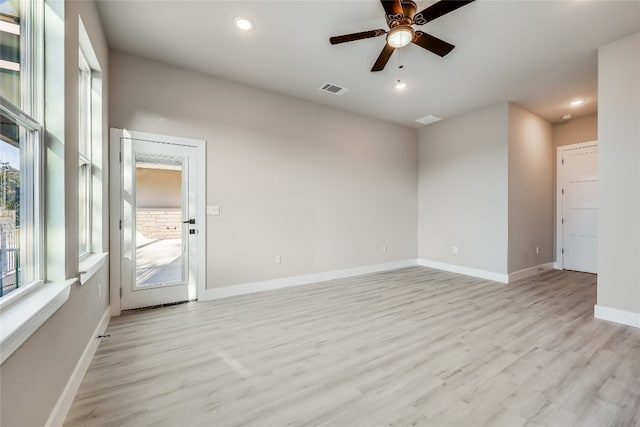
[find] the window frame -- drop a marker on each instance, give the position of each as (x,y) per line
(31,168)
(29,116)
(32,60)
(85,151)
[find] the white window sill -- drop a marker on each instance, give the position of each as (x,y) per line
(22,317)
(90,265)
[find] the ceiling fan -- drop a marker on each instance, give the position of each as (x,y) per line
(400,16)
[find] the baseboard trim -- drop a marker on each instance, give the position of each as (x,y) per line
(529,272)
(285,282)
(467,271)
(623,317)
(59,413)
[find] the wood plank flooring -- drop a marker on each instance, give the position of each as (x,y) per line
(409,347)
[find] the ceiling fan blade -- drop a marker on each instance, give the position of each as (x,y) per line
(432,44)
(392,7)
(438,9)
(383,58)
(356,36)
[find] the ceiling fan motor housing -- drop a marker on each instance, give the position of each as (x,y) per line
(409,9)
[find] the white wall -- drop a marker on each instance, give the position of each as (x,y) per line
(619,178)
(324,189)
(531,191)
(462,190)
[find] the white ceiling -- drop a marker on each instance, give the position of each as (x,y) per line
(538,54)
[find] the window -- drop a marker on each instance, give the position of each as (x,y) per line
(21,166)
(90,158)
(10,51)
(84,150)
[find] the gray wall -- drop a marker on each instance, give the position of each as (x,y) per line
(583,129)
(619,163)
(324,189)
(462,190)
(530,189)
(34,376)
(486,186)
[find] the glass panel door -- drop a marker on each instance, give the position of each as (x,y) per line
(158,225)
(159,212)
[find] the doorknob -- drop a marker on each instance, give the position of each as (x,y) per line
(189,221)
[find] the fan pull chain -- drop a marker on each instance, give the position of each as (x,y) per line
(399,83)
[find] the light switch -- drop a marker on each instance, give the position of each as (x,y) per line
(213,210)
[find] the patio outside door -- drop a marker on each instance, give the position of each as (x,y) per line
(159,223)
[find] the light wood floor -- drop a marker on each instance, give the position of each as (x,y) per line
(411,347)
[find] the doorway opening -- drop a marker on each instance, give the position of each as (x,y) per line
(577,207)
(158,220)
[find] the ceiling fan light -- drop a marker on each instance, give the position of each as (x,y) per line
(400,36)
(400,85)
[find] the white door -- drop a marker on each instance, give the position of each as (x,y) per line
(159,223)
(580,209)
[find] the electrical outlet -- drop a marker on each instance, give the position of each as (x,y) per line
(278,259)
(384,248)
(537,250)
(455,249)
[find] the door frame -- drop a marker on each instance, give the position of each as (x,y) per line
(559,265)
(115,208)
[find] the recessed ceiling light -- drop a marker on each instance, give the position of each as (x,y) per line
(244,24)
(576,102)
(400,85)
(427,120)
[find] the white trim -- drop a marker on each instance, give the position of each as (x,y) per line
(623,317)
(467,271)
(18,293)
(59,413)
(114,222)
(532,271)
(90,265)
(9,65)
(253,287)
(10,27)
(201,217)
(23,317)
(285,282)
(115,199)
(559,258)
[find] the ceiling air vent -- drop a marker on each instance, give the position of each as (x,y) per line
(427,120)
(334,89)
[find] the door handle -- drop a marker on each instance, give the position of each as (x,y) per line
(189,221)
